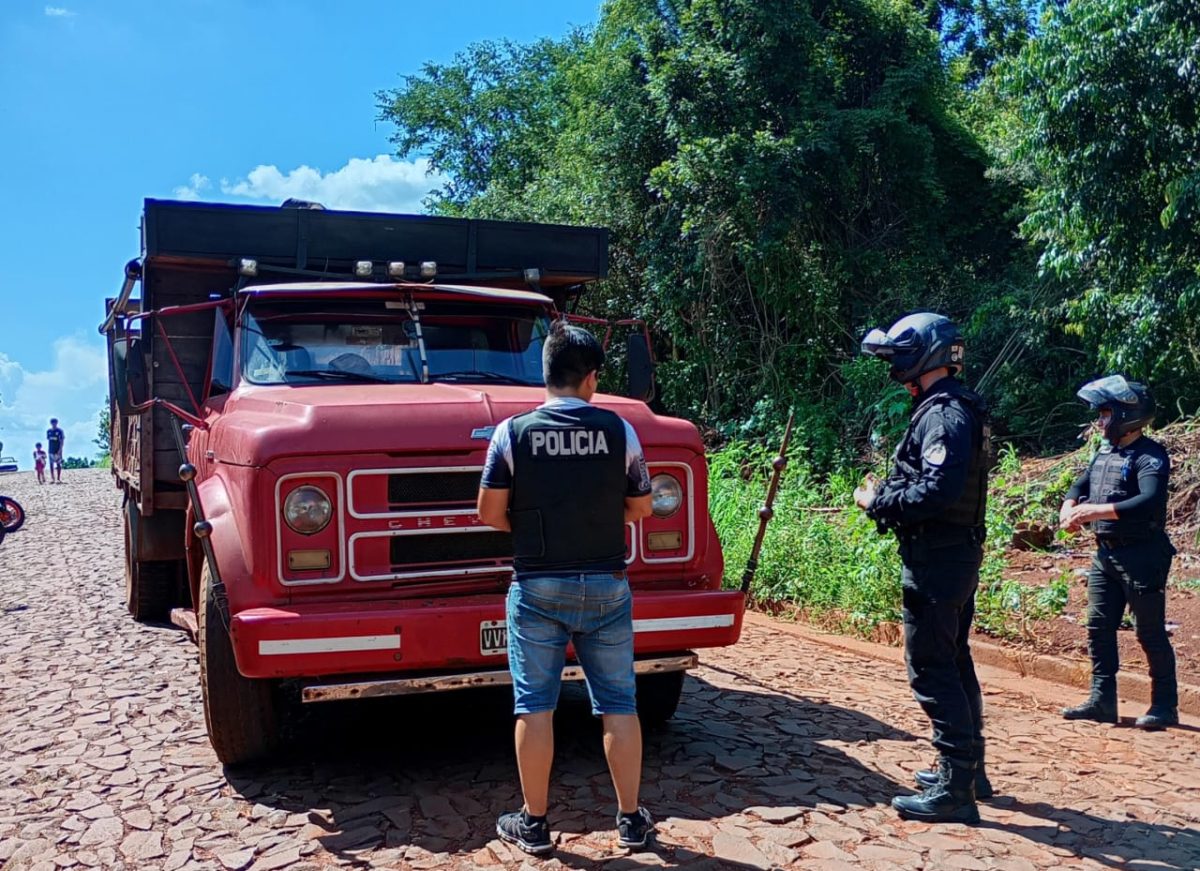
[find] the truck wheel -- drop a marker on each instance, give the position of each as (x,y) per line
(658,696)
(152,588)
(240,712)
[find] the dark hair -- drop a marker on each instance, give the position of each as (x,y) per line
(54,420)
(569,354)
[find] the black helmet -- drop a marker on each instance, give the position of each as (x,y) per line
(916,344)
(1131,404)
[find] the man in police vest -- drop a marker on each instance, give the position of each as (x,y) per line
(565,478)
(935,501)
(1123,495)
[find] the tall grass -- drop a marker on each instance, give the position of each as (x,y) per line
(824,556)
(820,553)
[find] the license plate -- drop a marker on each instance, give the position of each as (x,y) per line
(493,638)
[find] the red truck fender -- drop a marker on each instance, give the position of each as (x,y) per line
(231,549)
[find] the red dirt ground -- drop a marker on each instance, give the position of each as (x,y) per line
(1065,635)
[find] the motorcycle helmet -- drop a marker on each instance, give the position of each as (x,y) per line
(1131,404)
(916,344)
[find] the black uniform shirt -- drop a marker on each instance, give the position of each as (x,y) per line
(933,461)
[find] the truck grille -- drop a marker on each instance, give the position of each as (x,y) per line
(410,551)
(428,489)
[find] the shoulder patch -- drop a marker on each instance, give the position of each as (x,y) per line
(935,454)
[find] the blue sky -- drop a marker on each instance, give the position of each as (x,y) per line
(107,102)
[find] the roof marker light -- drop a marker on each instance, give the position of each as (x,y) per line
(396,269)
(428,268)
(364,268)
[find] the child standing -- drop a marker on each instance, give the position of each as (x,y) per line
(39,462)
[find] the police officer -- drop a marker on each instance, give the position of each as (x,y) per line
(565,478)
(1123,495)
(935,501)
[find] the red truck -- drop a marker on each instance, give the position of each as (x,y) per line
(301,403)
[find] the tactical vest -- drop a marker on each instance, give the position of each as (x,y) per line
(970,509)
(1112,477)
(567,505)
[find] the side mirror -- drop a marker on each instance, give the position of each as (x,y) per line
(641,367)
(129,374)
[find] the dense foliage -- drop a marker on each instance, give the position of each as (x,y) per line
(781,174)
(1109,99)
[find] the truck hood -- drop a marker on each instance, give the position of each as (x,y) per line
(261,424)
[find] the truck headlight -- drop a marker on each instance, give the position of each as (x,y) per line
(307,510)
(665,495)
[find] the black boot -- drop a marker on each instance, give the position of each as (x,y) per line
(950,800)
(983,787)
(1164,707)
(1100,706)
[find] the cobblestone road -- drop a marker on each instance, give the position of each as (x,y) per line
(784,753)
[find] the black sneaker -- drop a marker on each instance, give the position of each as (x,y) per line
(634,830)
(529,833)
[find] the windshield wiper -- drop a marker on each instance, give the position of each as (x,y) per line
(339,375)
(472,375)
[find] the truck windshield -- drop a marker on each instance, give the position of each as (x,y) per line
(328,341)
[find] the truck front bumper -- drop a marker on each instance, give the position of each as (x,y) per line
(447,636)
(373,688)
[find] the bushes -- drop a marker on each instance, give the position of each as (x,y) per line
(820,553)
(824,556)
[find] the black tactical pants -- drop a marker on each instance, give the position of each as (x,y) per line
(940,577)
(1132,573)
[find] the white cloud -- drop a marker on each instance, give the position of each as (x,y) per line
(191,190)
(379,184)
(59,12)
(73,391)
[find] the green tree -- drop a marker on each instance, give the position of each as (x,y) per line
(1110,104)
(776,174)
(976,34)
(103,439)
(486,119)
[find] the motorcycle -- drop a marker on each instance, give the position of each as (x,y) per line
(12,515)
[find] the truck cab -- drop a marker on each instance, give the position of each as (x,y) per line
(318,531)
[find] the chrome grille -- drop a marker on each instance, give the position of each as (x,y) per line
(410,551)
(418,490)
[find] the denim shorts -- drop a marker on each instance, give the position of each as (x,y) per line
(593,611)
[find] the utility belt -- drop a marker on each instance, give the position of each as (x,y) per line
(1139,533)
(933,532)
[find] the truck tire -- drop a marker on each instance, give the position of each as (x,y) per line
(152,588)
(658,696)
(240,712)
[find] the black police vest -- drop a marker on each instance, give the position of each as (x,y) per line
(567,505)
(1112,477)
(970,509)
